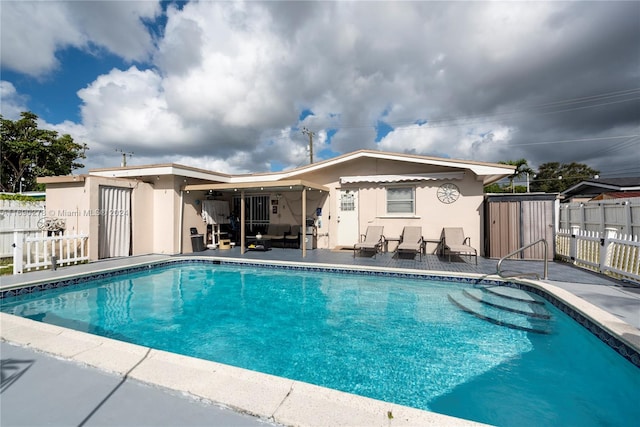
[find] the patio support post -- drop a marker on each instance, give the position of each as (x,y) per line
(242,227)
(304,222)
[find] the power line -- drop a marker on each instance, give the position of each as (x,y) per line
(458,121)
(573,140)
(617,146)
(443,121)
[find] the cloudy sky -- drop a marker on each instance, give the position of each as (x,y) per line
(230,86)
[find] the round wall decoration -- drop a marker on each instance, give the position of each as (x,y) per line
(448,193)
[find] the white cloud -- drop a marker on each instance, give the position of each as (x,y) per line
(118,26)
(228,80)
(33,32)
(12,102)
(128,109)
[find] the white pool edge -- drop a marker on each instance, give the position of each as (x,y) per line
(268,397)
(265,396)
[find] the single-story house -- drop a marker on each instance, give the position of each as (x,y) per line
(602,188)
(136,210)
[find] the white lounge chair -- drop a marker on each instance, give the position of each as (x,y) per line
(371,241)
(454,242)
(411,241)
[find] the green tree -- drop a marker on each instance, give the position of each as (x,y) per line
(29,152)
(504,188)
(554,177)
(494,188)
(522,168)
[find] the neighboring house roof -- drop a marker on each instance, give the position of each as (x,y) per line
(595,187)
(623,195)
(485,172)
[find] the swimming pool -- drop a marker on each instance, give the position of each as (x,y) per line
(397,339)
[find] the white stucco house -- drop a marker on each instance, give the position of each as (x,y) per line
(136,210)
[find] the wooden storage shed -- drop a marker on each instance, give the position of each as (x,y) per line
(513,221)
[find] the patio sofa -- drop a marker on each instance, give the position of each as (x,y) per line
(276,233)
(292,239)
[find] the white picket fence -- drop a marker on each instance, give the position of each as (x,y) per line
(31,253)
(18,215)
(608,253)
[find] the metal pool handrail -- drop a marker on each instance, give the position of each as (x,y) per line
(546,262)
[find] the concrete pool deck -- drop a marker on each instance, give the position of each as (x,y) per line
(65,362)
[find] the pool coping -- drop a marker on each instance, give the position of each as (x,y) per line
(266,396)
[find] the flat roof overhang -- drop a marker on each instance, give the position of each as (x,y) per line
(284,185)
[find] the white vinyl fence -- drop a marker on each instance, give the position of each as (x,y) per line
(43,251)
(621,214)
(18,215)
(608,253)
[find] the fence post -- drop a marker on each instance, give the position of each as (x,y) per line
(605,243)
(572,246)
(18,244)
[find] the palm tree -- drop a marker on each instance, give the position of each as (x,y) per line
(522,168)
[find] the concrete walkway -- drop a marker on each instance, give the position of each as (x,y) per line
(39,389)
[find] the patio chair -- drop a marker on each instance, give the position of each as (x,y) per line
(454,242)
(371,241)
(411,241)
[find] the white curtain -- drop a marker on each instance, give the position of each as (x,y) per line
(215,212)
(114,222)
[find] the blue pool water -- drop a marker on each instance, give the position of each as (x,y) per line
(398,340)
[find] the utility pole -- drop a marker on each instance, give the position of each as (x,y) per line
(124,157)
(311,135)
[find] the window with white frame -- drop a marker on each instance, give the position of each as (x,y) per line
(401,200)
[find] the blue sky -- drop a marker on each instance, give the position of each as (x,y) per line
(229,86)
(53,97)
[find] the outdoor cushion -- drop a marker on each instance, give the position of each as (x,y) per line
(276,231)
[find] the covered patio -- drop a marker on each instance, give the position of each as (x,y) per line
(299,186)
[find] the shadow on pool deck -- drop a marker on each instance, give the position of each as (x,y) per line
(39,389)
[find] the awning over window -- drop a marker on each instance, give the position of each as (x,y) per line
(401,178)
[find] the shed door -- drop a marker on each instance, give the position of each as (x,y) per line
(504,228)
(537,223)
(114,234)
(348,233)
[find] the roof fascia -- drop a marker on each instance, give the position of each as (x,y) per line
(485,172)
(478,168)
(61,179)
(159,170)
(292,184)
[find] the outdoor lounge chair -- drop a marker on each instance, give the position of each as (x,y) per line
(454,242)
(411,241)
(371,241)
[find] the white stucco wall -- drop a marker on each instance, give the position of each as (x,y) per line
(431,214)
